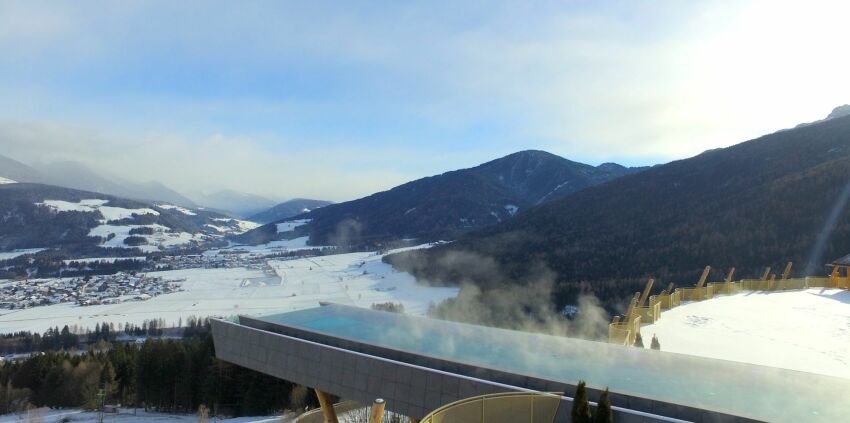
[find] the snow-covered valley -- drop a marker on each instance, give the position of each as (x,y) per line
(359,279)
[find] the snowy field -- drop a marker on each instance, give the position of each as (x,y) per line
(45,415)
(18,253)
(358,279)
(800,330)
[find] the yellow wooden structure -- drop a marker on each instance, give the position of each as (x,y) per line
(623,330)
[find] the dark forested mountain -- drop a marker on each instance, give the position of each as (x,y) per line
(444,206)
(287,209)
(81,222)
(235,203)
(759,203)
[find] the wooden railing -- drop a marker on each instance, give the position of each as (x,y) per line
(625,332)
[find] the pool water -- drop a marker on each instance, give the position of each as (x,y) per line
(747,390)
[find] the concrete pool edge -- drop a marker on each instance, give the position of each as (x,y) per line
(625,400)
(263,351)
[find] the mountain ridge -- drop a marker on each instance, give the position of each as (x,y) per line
(288,208)
(758,203)
(446,205)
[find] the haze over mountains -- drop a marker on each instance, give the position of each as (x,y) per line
(447,205)
(78,176)
(759,203)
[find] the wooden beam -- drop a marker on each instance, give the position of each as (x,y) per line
(787,271)
(730,275)
(766,273)
(376,414)
(704,276)
(327,407)
(646,292)
(632,305)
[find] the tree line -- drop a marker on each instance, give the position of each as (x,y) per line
(166,375)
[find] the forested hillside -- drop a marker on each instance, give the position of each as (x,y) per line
(81,222)
(759,203)
(444,206)
(163,375)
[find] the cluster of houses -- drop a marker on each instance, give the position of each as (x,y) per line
(92,290)
(213,261)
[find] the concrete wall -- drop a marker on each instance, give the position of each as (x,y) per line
(411,384)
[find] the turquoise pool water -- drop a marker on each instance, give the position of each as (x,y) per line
(758,392)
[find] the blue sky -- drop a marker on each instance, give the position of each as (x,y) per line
(341,99)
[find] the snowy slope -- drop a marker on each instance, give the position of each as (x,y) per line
(800,330)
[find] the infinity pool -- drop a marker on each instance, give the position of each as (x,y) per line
(758,392)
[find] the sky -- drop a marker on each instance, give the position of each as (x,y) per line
(337,100)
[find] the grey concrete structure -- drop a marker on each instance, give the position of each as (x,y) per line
(411,384)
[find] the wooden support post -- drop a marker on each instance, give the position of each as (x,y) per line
(376,414)
(727,285)
(646,292)
(787,271)
(670,288)
(766,273)
(704,276)
(327,407)
(632,305)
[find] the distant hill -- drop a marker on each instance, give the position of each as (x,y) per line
(759,203)
(81,222)
(239,204)
(17,171)
(447,205)
(79,176)
(288,209)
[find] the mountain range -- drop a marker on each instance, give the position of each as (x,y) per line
(758,203)
(288,209)
(78,176)
(447,205)
(80,223)
(239,204)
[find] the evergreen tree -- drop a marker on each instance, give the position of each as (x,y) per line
(581,408)
(639,341)
(655,345)
(603,409)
